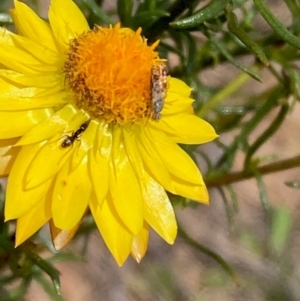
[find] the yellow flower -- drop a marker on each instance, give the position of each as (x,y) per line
(77,132)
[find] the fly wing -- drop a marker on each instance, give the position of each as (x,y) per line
(158,89)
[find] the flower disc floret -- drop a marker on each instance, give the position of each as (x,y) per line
(108,70)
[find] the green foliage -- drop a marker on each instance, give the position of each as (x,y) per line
(199,38)
(19,266)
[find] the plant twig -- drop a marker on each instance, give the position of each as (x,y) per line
(226,179)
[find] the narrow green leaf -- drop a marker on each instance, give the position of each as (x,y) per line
(231,88)
(125,12)
(5,243)
(251,241)
(234,28)
(48,288)
(293,184)
(228,208)
(276,25)
(146,5)
(192,54)
(233,196)
(48,268)
(173,49)
(262,191)
(206,158)
(238,3)
(210,253)
(294,81)
(17,293)
(270,131)
(145,19)
(210,11)
(236,109)
(66,257)
(97,11)
(281,227)
(156,13)
(226,160)
(295,11)
(231,59)
(7,279)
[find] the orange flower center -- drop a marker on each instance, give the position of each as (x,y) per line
(109,71)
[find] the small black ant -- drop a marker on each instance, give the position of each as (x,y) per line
(75,135)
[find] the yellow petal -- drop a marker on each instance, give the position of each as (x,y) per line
(30,25)
(133,152)
(140,243)
(61,238)
(48,57)
(21,61)
(194,192)
(185,128)
(99,168)
(178,86)
(47,162)
(52,156)
(54,124)
(8,154)
(33,220)
(153,163)
(158,210)
(104,139)
(175,104)
(116,236)
(77,120)
(67,22)
(15,103)
(15,94)
(71,196)
(124,187)
(155,198)
(45,81)
(15,124)
(18,200)
(175,159)
(84,143)
(5,37)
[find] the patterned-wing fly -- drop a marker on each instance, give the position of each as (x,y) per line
(158,89)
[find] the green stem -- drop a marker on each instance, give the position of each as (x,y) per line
(226,179)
